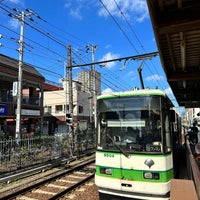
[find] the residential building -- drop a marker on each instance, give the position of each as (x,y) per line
(32,97)
(56,106)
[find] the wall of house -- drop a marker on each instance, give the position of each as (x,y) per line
(56,102)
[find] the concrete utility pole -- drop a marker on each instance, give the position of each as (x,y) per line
(21,17)
(93,81)
(19,88)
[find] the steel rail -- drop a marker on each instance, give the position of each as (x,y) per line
(70,169)
(71,188)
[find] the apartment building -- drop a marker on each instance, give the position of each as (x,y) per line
(32,97)
(91,80)
(56,106)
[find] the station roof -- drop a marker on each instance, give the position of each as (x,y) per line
(176,25)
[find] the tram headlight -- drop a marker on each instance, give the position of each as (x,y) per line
(107,171)
(151,175)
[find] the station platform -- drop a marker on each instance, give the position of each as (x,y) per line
(183,189)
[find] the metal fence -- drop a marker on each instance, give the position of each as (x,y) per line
(16,154)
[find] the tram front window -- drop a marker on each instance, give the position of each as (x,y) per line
(130,129)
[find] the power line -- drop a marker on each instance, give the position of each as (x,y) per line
(124,17)
(122,13)
(31,48)
(118,25)
(54,37)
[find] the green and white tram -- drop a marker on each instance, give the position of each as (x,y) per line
(134,156)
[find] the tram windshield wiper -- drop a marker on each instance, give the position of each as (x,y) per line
(118,147)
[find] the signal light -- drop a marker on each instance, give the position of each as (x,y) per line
(69,118)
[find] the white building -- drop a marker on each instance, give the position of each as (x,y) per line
(190,114)
(56,105)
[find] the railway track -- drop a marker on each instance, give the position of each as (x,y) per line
(57,185)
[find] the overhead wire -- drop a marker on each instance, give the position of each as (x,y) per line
(118,25)
(28,23)
(116,79)
(137,38)
(162,83)
(131,28)
(11,13)
(46,34)
(27,46)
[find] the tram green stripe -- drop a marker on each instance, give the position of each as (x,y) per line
(135,175)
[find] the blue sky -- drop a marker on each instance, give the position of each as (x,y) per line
(119,28)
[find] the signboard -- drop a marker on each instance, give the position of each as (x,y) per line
(29,112)
(14,88)
(3,109)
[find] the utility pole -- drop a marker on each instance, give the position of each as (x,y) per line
(70,98)
(21,17)
(70,80)
(93,81)
(19,84)
(66,85)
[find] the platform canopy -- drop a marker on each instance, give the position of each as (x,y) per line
(176,25)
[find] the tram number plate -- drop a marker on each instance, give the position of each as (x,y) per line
(155,148)
(109,155)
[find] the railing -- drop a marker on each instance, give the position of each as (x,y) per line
(18,154)
(193,169)
(36,150)
(25,100)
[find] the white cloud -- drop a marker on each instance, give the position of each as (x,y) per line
(76,8)
(108,46)
(135,9)
(15,1)
(107,91)
(68,4)
(154,77)
(131,73)
(76,13)
(14,23)
(109,56)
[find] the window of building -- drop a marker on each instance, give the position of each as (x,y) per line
(59,108)
(79,88)
(47,110)
(80,109)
